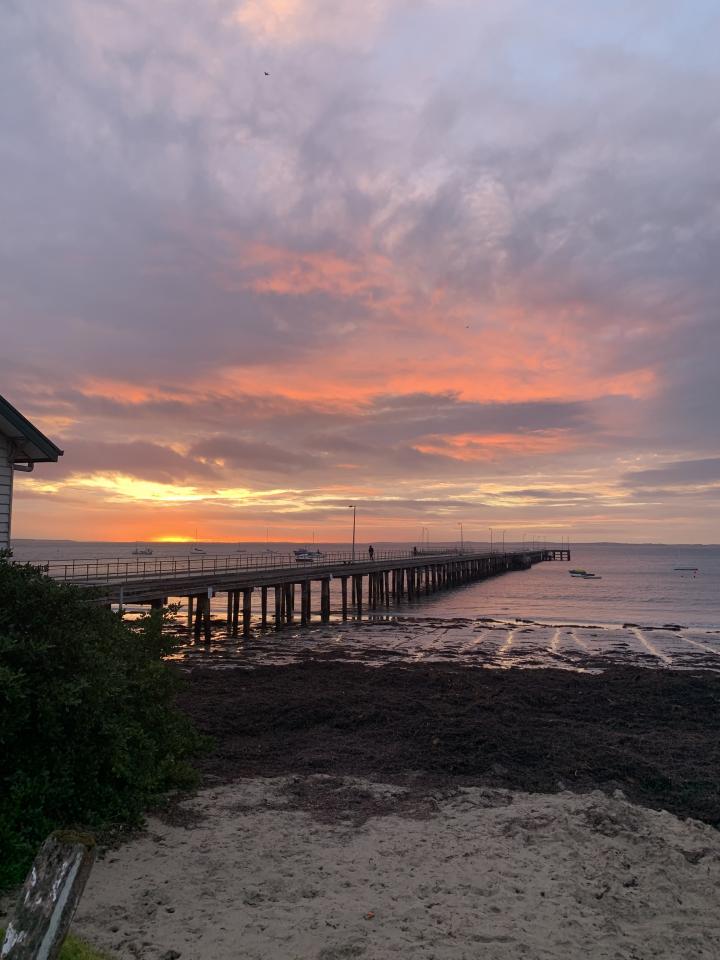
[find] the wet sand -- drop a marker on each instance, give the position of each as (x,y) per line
(476,641)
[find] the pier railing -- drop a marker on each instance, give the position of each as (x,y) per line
(128,570)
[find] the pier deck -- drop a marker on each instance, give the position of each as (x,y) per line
(389,576)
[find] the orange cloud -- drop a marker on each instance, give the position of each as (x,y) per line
(432,339)
(289,272)
(348,374)
(369,278)
(343,22)
(471,447)
(127,391)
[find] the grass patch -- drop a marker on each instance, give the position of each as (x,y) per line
(74,949)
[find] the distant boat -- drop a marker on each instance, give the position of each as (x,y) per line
(591,576)
(307,556)
(196,548)
(142,552)
(690,569)
(578,573)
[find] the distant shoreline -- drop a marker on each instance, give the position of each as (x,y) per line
(17,541)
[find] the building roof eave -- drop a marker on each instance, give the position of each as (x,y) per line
(31,446)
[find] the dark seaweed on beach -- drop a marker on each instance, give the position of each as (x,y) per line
(653,734)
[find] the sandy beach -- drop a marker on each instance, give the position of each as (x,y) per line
(330,868)
(403,807)
(430,810)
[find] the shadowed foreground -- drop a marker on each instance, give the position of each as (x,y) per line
(655,734)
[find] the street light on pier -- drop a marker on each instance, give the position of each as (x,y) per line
(462,541)
(503,541)
(491,543)
(353,507)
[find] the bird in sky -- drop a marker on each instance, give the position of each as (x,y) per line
(266,73)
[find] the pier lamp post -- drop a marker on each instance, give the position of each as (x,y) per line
(462,541)
(491,545)
(353,507)
(503,541)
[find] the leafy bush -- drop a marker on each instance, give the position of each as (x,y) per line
(89,733)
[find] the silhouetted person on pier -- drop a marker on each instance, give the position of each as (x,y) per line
(371,551)
(414,551)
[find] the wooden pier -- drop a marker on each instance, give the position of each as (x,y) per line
(365,584)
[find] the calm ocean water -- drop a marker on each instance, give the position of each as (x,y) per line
(639,583)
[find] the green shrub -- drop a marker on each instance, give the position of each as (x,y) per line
(89,734)
(74,949)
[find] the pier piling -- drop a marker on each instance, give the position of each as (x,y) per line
(344,596)
(305,602)
(247,610)
(357,590)
(325,599)
(278,607)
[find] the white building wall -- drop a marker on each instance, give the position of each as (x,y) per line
(6,484)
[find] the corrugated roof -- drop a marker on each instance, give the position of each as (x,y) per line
(30,444)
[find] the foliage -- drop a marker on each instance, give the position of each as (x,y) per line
(89,733)
(74,949)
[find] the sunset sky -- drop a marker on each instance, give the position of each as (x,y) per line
(450,261)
